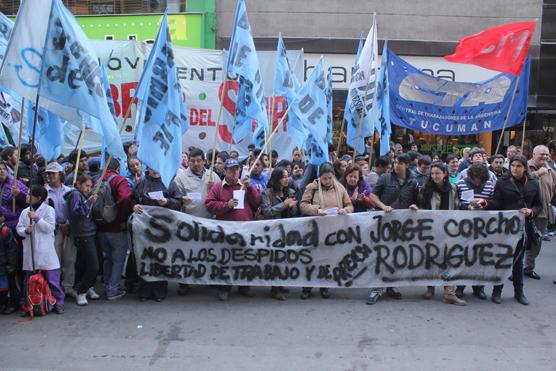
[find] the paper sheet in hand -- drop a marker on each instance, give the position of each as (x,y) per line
(331,211)
(194,196)
(240,196)
(468,195)
(158,195)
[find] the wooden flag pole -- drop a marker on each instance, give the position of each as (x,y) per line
(507,116)
(16,170)
(523,136)
(340,137)
(78,158)
(213,159)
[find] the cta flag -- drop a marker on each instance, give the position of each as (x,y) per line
(162,111)
(6,26)
(502,48)
(51,56)
(383,124)
(422,102)
(328,92)
(310,107)
(243,61)
(348,117)
(286,84)
(49,136)
(362,93)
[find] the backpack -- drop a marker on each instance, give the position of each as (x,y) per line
(104,209)
(39,299)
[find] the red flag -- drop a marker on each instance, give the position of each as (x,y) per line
(502,48)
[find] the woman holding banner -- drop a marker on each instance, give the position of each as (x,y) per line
(439,194)
(517,191)
(279,201)
(152,192)
(325,196)
(359,191)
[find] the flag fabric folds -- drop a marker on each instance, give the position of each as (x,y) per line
(433,105)
(51,56)
(162,111)
(49,136)
(348,117)
(6,26)
(329,106)
(502,48)
(286,84)
(362,93)
(243,61)
(311,109)
(383,124)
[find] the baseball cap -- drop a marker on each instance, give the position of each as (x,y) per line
(54,167)
(231,163)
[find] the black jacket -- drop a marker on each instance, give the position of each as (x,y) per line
(150,184)
(510,195)
(394,192)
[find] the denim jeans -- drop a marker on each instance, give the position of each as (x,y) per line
(114,251)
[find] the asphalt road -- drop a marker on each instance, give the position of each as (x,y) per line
(197,332)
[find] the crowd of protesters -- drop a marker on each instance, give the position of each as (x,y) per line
(46,221)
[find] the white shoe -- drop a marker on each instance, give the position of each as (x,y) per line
(82,299)
(92,294)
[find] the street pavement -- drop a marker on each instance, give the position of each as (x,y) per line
(197,332)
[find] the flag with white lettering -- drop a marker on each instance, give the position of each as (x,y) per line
(286,84)
(243,61)
(419,101)
(329,104)
(51,56)
(310,107)
(362,93)
(6,26)
(383,119)
(162,111)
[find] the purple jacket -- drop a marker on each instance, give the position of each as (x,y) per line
(11,218)
(360,204)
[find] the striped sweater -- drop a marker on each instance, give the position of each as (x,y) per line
(484,191)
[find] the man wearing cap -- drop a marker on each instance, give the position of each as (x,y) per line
(220,202)
(192,186)
(63,242)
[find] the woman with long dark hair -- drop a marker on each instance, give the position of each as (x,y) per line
(439,194)
(279,201)
(359,191)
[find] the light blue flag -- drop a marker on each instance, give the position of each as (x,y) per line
(310,107)
(348,116)
(286,84)
(328,92)
(49,136)
(6,26)
(362,93)
(162,111)
(243,61)
(383,120)
(50,56)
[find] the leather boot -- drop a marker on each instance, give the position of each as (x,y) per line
(479,292)
(520,297)
(497,294)
(429,294)
(459,291)
(451,298)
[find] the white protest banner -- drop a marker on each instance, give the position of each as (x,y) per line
(402,248)
(200,77)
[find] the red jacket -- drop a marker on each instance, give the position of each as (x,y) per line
(122,195)
(219,195)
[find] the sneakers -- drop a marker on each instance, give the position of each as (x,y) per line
(223,295)
(92,294)
(394,293)
(82,299)
(305,293)
(324,293)
(533,275)
(373,297)
(116,296)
